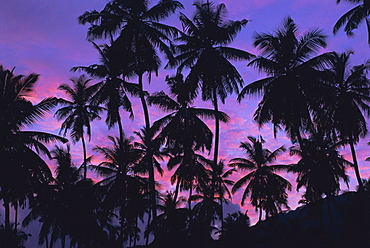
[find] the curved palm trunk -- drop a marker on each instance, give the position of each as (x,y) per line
(217,137)
(85,156)
(149,150)
(176,190)
(355,165)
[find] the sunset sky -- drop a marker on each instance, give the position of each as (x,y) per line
(44,37)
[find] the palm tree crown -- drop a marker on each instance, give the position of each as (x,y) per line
(288,60)
(354,17)
(267,190)
(78,112)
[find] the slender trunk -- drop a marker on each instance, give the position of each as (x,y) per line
(217,137)
(176,190)
(7,213)
(260,213)
(85,156)
(63,241)
(189,200)
(355,165)
(221,214)
(15,217)
(149,149)
(148,223)
(135,240)
(47,241)
(120,128)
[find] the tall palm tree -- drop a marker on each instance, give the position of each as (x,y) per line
(114,88)
(349,89)
(136,33)
(354,17)
(322,170)
(78,112)
(23,170)
(267,189)
(203,49)
(292,84)
(183,130)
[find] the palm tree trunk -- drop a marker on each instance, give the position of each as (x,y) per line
(355,165)
(176,190)
(189,200)
(221,214)
(47,241)
(120,128)
(85,156)
(217,137)
(15,217)
(7,213)
(149,150)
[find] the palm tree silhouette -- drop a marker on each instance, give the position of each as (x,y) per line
(222,183)
(123,188)
(24,171)
(267,189)
(184,131)
(321,171)
(78,112)
(291,86)
(354,17)
(349,92)
(114,88)
(203,49)
(140,35)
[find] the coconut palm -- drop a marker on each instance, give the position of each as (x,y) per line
(203,48)
(114,88)
(290,90)
(354,17)
(23,170)
(222,184)
(267,190)
(78,112)
(68,208)
(122,186)
(322,170)
(172,224)
(136,34)
(349,93)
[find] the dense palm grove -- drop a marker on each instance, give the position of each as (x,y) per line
(305,93)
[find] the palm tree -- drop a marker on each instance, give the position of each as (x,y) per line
(172,224)
(24,172)
(222,183)
(114,89)
(354,17)
(191,172)
(140,34)
(68,208)
(123,187)
(78,112)
(290,90)
(203,49)
(184,131)
(267,189)
(321,171)
(349,93)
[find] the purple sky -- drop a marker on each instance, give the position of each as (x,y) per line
(43,36)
